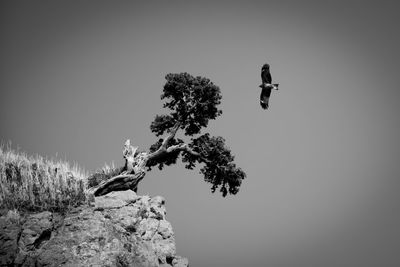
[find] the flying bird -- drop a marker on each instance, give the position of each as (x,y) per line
(266,86)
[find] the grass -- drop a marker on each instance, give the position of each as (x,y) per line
(34,183)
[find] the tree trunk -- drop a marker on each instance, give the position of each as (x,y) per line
(129,178)
(135,165)
(118,183)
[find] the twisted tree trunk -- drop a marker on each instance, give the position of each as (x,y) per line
(135,164)
(129,178)
(118,183)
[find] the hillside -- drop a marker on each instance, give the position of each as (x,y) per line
(47,220)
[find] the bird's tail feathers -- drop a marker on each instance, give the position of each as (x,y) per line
(276,86)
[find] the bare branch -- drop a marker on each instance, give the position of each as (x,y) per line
(129,155)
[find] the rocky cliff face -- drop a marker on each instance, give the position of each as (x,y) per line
(119,229)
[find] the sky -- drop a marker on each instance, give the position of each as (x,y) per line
(78,78)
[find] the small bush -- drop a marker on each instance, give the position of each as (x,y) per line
(103,174)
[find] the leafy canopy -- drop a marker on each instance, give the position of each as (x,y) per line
(192,102)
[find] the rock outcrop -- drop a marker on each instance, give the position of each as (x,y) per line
(118,229)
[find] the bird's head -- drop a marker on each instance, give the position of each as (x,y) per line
(265,66)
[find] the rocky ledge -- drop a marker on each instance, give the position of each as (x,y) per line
(118,229)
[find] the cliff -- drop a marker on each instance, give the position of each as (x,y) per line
(117,229)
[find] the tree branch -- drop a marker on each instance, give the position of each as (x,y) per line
(186,148)
(170,136)
(162,150)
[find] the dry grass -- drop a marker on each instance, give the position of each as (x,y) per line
(36,183)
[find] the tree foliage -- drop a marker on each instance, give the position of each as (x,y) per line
(192,102)
(219,168)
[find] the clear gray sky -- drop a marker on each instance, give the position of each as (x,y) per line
(79,78)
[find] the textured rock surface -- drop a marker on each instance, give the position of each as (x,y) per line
(119,229)
(9,234)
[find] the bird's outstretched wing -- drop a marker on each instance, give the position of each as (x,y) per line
(264,97)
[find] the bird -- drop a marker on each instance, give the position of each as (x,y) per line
(266,86)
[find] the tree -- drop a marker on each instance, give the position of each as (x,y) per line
(192,102)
